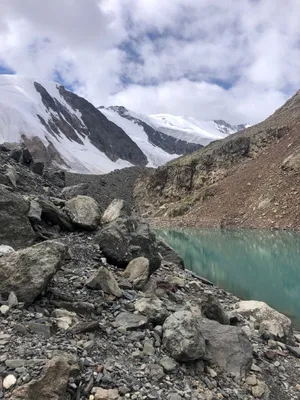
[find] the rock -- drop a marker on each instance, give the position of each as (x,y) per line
(170,255)
(211,308)
(12,175)
(153,308)
(72,191)
(228,347)
(9,381)
(260,390)
(83,327)
(65,319)
(35,211)
(84,212)
(105,281)
(27,272)
(40,329)
(52,385)
(52,214)
(182,336)
(16,230)
(251,380)
(12,300)
(156,372)
(269,320)
(113,211)
(127,238)
(168,364)
(38,167)
(4,309)
(105,394)
(294,350)
(5,249)
(137,271)
(129,321)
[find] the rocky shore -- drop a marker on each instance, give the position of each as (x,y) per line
(94,306)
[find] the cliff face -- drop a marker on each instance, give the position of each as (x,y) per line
(247,179)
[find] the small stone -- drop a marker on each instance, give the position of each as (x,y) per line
(251,380)
(4,309)
(12,300)
(9,381)
(168,364)
(260,389)
(212,372)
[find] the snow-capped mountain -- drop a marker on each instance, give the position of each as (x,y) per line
(66,130)
(181,128)
(193,130)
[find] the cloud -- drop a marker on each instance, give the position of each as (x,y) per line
(210,59)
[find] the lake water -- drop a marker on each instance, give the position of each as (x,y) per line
(258,265)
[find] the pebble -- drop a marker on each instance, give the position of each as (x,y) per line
(9,381)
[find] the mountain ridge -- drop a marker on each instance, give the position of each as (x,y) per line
(248,179)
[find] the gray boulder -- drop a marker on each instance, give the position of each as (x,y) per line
(211,308)
(113,211)
(54,215)
(27,272)
(130,322)
(137,272)
(84,212)
(153,308)
(170,255)
(127,238)
(52,385)
(105,281)
(182,336)
(228,347)
(72,191)
(269,321)
(15,230)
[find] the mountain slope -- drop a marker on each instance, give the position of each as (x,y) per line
(247,179)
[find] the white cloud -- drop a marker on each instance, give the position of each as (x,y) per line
(237,61)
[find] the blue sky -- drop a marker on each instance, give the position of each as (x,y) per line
(209,59)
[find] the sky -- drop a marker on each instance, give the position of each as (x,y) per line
(237,60)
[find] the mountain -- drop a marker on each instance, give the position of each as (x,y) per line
(248,179)
(158,146)
(182,129)
(193,130)
(65,130)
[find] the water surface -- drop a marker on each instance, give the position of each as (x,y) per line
(258,265)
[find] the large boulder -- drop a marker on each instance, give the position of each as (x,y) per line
(15,228)
(72,191)
(27,272)
(84,212)
(182,336)
(126,238)
(153,308)
(228,347)
(52,385)
(137,272)
(54,215)
(187,337)
(169,254)
(268,320)
(211,308)
(113,211)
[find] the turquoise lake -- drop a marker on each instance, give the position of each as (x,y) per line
(258,265)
